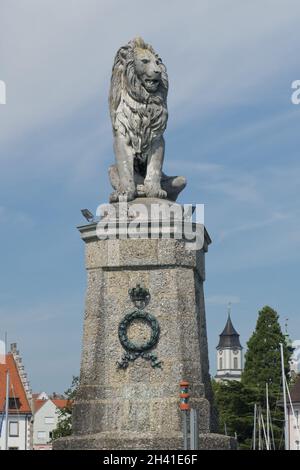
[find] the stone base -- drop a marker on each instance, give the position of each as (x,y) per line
(135,405)
(145,441)
(216,442)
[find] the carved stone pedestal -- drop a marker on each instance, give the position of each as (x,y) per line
(136,405)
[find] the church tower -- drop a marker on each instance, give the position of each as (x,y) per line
(229,353)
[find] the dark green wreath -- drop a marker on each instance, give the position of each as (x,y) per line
(133,350)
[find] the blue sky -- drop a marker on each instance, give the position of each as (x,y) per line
(232,131)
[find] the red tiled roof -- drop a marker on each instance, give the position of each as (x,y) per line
(60,403)
(37,404)
(16,388)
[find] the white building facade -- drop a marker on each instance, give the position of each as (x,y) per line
(17,427)
(294,416)
(295,359)
(45,420)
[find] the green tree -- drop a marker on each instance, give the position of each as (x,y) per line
(235,404)
(64,425)
(235,400)
(263,366)
(262,360)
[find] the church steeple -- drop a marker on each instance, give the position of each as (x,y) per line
(229,352)
(229,338)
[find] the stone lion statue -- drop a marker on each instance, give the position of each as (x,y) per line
(139,114)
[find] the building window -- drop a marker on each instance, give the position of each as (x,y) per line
(41,435)
(13,448)
(49,420)
(297,445)
(221,363)
(14,403)
(13,429)
(235,363)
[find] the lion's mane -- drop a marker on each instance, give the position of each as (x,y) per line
(135,113)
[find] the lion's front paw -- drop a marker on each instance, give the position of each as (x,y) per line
(122,196)
(128,195)
(153,190)
(162,194)
(114,197)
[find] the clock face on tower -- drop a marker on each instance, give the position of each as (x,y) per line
(235,351)
(220,352)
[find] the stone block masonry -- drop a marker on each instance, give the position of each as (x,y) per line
(138,407)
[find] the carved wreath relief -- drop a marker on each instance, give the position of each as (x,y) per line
(140,298)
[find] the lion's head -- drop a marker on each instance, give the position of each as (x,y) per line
(148,68)
(140,71)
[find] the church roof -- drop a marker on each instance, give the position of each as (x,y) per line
(229,338)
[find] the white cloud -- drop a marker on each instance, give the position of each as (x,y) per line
(56,55)
(275,218)
(251,214)
(275,126)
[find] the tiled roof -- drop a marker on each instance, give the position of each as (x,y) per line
(16,388)
(60,403)
(37,404)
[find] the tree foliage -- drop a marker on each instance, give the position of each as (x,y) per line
(235,404)
(64,425)
(235,400)
(262,360)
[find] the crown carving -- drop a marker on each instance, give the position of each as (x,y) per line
(140,296)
